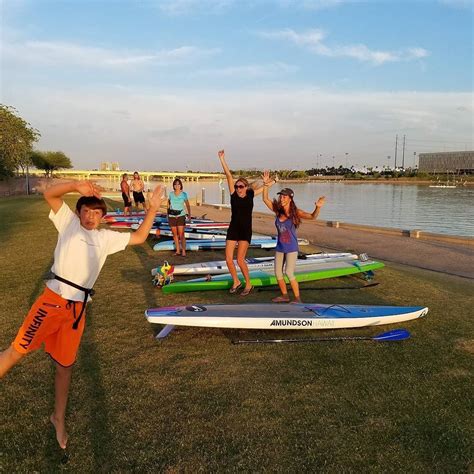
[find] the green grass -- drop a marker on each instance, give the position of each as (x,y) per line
(197,403)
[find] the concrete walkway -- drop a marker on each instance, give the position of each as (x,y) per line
(450,258)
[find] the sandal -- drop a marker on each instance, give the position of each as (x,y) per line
(235,288)
(246,292)
(296,301)
(281,299)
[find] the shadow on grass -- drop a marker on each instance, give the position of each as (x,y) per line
(96,400)
(149,289)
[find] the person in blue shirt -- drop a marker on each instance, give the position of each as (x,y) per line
(287,220)
(178,209)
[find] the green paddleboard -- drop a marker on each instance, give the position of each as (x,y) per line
(261,278)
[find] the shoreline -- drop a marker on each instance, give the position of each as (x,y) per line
(16,186)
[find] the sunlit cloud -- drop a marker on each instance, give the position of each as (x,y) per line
(151,130)
(312,40)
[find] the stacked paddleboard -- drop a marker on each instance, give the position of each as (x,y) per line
(259,263)
(213,243)
(265,277)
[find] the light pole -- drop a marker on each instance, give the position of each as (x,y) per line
(27,180)
(414,159)
(347,165)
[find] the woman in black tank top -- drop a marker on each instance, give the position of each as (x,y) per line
(239,233)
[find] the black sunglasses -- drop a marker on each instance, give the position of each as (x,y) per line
(239,186)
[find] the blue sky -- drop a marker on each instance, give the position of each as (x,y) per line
(164,84)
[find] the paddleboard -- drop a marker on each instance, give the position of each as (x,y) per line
(167,232)
(164,226)
(258,263)
(265,242)
(267,278)
(160,221)
(120,216)
(283,316)
(198,234)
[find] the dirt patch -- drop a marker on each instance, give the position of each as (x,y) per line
(466,345)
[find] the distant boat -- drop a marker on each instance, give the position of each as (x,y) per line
(443,186)
(446,185)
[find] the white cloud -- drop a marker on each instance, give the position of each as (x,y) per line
(312,40)
(184,7)
(64,53)
(170,131)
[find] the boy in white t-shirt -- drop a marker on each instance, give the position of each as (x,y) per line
(57,318)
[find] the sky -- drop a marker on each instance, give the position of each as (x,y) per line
(279,84)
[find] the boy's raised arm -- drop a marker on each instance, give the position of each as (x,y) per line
(54,194)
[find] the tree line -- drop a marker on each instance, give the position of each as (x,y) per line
(17,138)
(341,171)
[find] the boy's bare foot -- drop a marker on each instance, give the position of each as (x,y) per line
(60,428)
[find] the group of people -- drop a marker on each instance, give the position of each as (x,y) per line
(288,217)
(178,207)
(239,235)
(57,318)
(136,187)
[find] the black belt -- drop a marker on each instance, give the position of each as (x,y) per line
(87,292)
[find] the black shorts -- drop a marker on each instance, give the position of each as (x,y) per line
(126,200)
(235,233)
(138,197)
(177,221)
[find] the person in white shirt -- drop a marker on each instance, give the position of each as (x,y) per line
(57,318)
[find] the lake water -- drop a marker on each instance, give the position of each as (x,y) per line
(438,210)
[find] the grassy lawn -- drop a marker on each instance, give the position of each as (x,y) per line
(197,403)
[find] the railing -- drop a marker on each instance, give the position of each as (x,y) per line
(146,175)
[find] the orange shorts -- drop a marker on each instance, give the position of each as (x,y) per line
(50,322)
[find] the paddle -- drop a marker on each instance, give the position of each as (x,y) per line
(394,335)
(273,288)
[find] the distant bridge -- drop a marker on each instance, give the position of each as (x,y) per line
(145,175)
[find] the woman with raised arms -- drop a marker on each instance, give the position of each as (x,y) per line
(239,233)
(287,220)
